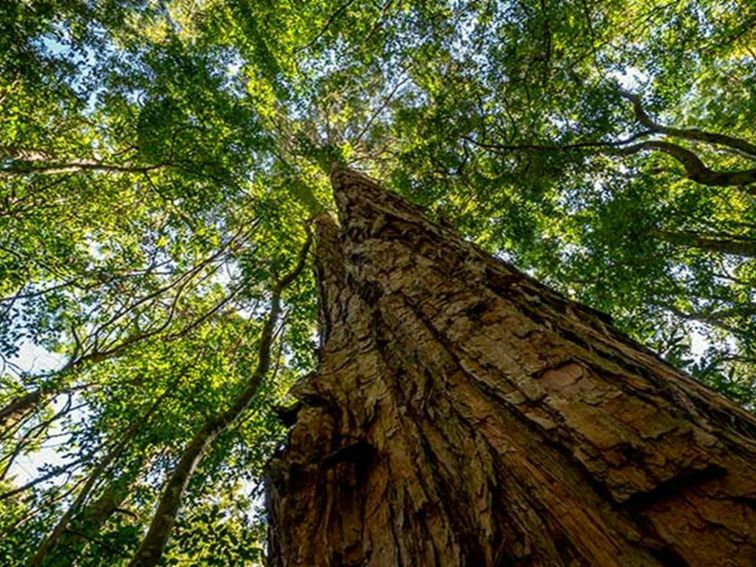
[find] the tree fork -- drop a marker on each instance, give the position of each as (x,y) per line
(465,415)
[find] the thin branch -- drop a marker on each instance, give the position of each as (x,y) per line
(341,9)
(56,471)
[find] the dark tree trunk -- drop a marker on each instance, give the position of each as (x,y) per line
(465,415)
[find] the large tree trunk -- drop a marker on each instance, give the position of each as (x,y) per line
(464,415)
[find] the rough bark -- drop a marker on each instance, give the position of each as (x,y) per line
(465,415)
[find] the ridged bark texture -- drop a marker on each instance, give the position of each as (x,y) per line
(465,415)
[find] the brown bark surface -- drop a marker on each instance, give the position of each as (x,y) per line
(465,415)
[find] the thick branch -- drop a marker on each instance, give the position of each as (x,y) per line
(695,169)
(21,169)
(693,134)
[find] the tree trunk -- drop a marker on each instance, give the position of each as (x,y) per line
(42,555)
(465,415)
(86,528)
(161,526)
(49,549)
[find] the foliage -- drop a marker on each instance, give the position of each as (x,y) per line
(159,161)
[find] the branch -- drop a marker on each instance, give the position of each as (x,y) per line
(18,170)
(56,471)
(327,25)
(734,246)
(695,169)
(557,147)
(719,323)
(687,133)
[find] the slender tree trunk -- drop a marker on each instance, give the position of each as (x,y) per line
(42,555)
(46,552)
(465,415)
(151,549)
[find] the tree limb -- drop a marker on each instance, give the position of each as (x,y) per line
(695,169)
(22,169)
(687,133)
(737,247)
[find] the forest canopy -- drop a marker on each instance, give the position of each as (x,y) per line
(161,163)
